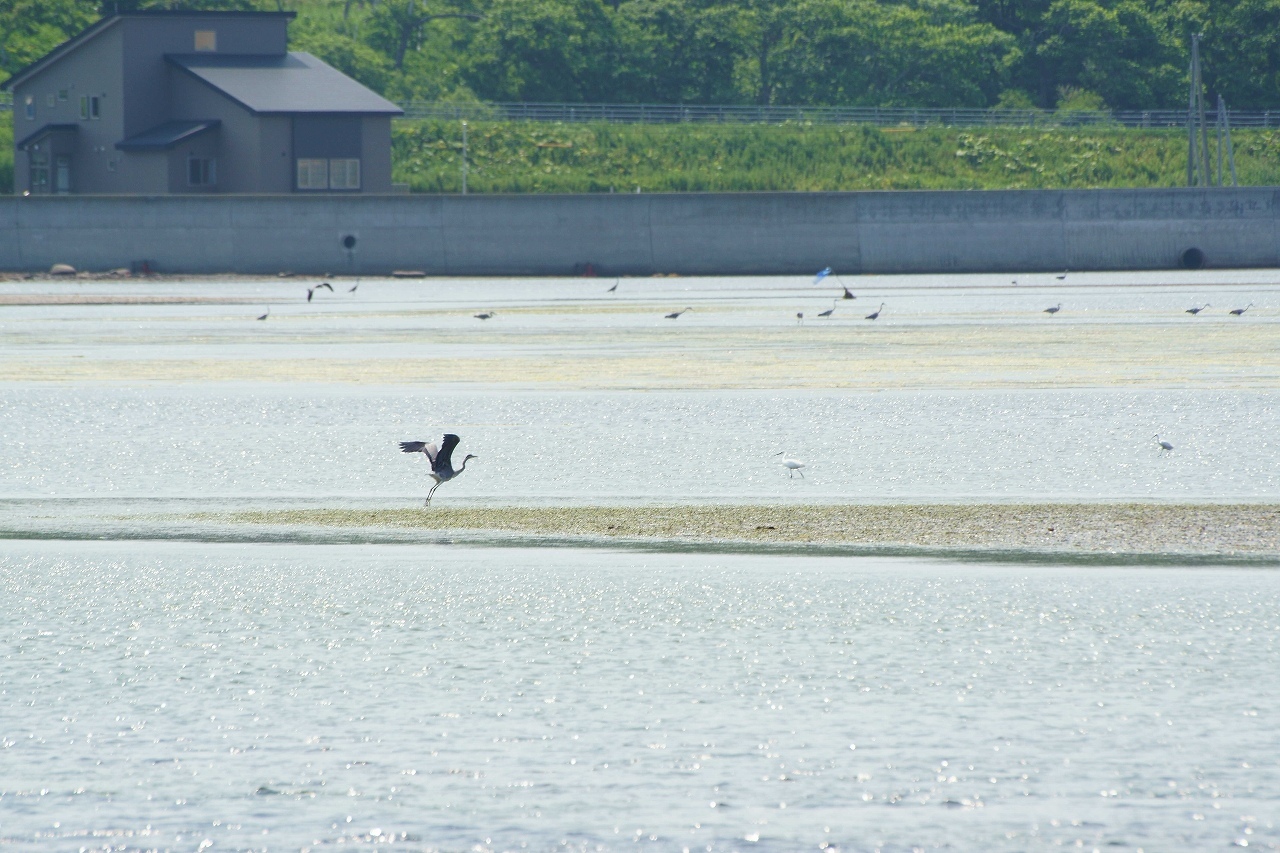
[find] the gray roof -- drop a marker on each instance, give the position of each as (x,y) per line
(166,135)
(45,131)
(293,83)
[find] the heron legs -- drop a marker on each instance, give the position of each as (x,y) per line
(430,493)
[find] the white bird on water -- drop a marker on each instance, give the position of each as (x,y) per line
(793,466)
(1164,445)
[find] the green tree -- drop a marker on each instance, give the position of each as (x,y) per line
(31,28)
(543,50)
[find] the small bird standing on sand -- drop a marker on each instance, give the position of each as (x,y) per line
(675,315)
(1164,445)
(441,466)
(1197,310)
(793,466)
(1054,309)
(875,315)
(800,317)
(1239,311)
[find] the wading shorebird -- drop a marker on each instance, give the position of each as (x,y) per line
(793,466)
(1198,310)
(1054,310)
(1164,445)
(266,315)
(830,310)
(485,316)
(441,466)
(1239,311)
(875,315)
(675,315)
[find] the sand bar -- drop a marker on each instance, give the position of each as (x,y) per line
(1081,529)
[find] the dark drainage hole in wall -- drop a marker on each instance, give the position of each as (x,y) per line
(1192,259)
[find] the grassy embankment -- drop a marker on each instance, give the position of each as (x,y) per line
(543,157)
(533,157)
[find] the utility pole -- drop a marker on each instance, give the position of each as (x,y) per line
(464,157)
(1197,142)
(1225,118)
(1191,111)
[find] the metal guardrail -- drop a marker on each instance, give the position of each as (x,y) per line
(878,116)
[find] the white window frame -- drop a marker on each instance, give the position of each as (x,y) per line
(312,173)
(90,108)
(344,173)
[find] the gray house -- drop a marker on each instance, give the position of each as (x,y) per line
(195,102)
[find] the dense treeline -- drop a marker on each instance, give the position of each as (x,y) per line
(1122,54)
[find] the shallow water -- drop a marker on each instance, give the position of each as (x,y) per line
(176,695)
(257,697)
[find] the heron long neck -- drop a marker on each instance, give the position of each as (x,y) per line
(462,467)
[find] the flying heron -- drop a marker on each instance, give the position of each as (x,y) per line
(1054,309)
(325,285)
(875,315)
(675,315)
(1239,311)
(441,466)
(1164,445)
(1198,310)
(793,466)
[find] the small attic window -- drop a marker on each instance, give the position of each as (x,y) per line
(206,40)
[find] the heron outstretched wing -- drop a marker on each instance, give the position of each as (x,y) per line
(442,460)
(419,447)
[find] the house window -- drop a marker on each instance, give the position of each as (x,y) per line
(202,172)
(344,174)
(31,107)
(39,162)
(62,94)
(313,174)
(89,107)
(206,40)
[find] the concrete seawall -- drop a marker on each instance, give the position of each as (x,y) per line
(688,233)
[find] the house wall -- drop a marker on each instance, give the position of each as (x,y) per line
(375,165)
(147,39)
(693,233)
(205,146)
(94,69)
(239,136)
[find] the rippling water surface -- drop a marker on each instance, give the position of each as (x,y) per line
(193,695)
(254,697)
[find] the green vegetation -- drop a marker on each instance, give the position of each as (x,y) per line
(532,157)
(1122,54)
(1062,54)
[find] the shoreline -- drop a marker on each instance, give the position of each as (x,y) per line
(1060,529)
